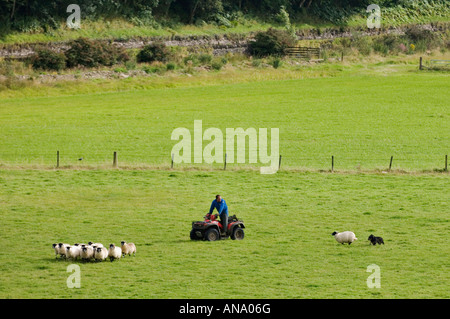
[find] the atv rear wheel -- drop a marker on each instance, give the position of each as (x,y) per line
(212,234)
(237,234)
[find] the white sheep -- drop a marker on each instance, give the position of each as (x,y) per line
(56,248)
(73,252)
(95,245)
(114,252)
(100,253)
(344,237)
(87,252)
(62,249)
(128,248)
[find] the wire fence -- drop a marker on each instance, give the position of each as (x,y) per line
(115,159)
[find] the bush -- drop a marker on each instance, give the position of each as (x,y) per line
(417,33)
(92,53)
(156,51)
(217,64)
(130,65)
(276,63)
(387,44)
(271,42)
(422,38)
(380,46)
(205,58)
(363,44)
(191,59)
(48,60)
(156,67)
(171,66)
(256,63)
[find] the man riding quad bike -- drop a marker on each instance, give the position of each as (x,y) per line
(211,229)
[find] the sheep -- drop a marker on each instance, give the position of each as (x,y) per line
(114,252)
(73,252)
(128,248)
(62,249)
(56,248)
(101,253)
(376,240)
(95,245)
(344,237)
(87,252)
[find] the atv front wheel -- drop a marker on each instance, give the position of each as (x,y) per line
(193,235)
(237,234)
(212,234)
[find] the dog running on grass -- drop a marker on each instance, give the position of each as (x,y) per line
(376,240)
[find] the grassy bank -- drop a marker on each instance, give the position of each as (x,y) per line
(363,117)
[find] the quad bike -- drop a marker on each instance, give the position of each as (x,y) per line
(211,229)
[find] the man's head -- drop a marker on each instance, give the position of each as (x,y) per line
(218,198)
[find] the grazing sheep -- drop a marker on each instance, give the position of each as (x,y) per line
(56,248)
(73,252)
(376,240)
(87,252)
(95,245)
(62,249)
(128,248)
(101,253)
(114,252)
(344,237)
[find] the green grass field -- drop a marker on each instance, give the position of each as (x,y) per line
(362,118)
(288,251)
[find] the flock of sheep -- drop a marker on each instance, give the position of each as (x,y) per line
(93,251)
(97,252)
(348,237)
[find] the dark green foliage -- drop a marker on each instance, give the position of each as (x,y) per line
(156,51)
(43,15)
(171,66)
(276,63)
(364,44)
(271,42)
(389,44)
(46,59)
(92,53)
(418,33)
(423,39)
(205,58)
(217,64)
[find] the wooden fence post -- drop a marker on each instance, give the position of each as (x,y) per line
(57,159)
(390,163)
(225,164)
(446,167)
(342,56)
(279,163)
(332,163)
(420,63)
(115,160)
(171,165)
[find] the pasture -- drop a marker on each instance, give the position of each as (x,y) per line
(288,251)
(360,119)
